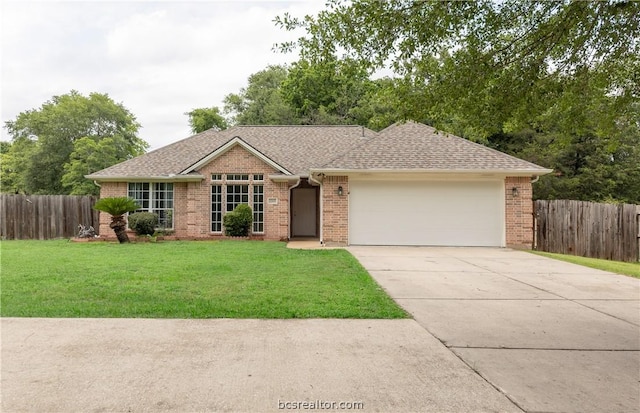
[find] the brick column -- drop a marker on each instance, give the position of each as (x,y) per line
(335,210)
(519,212)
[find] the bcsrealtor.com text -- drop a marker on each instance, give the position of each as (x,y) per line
(319,405)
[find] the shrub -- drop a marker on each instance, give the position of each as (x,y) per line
(143,223)
(238,223)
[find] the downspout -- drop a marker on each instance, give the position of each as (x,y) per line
(290,188)
(319,183)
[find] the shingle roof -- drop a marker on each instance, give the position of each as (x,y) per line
(299,149)
(415,146)
(296,148)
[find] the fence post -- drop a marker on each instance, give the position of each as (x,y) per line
(638,225)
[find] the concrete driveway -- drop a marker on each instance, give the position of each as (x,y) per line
(551,336)
(138,365)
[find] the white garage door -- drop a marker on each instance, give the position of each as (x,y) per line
(426,213)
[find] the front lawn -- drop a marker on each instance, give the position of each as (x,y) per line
(234,279)
(626,268)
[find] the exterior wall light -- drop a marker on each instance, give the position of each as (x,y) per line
(514,191)
(340,191)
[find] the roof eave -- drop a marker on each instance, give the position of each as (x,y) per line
(506,172)
(285,178)
(153,178)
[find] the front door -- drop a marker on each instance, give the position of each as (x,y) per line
(303,212)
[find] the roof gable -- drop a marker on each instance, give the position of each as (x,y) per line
(235,141)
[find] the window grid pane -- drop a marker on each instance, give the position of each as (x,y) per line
(258,208)
(237,177)
(163,204)
(236,195)
(216,208)
(140,192)
(156,198)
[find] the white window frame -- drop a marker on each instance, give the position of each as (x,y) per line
(221,204)
(159,200)
(258,208)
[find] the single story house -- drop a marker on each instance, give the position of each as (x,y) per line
(344,185)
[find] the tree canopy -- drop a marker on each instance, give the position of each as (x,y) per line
(206,118)
(261,102)
(69,136)
(486,62)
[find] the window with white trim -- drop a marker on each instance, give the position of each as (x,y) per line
(236,195)
(216,208)
(258,208)
(155,197)
(233,190)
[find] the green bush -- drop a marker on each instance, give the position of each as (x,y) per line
(238,223)
(143,223)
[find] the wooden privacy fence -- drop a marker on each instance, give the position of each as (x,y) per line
(588,229)
(45,216)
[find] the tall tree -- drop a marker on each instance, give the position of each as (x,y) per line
(261,103)
(488,63)
(325,92)
(14,161)
(57,125)
(204,119)
(88,156)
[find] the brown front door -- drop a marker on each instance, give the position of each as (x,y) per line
(303,212)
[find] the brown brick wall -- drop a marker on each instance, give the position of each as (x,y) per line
(192,200)
(110,189)
(519,212)
(335,210)
(197,214)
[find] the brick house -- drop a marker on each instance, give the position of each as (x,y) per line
(405,185)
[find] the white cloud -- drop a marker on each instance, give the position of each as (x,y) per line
(160,59)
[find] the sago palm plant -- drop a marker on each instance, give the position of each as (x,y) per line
(117,207)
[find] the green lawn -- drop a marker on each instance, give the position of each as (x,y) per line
(234,279)
(626,268)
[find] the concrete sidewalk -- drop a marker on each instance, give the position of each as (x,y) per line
(552,336)
(142,365)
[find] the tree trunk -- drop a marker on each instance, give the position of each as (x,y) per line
(119,226)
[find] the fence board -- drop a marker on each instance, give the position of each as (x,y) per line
(588,229)
(45,216)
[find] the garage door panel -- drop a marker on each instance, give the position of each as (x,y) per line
(426,213)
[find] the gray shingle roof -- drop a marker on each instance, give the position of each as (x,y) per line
(298,149)
(295,148)
(415,146)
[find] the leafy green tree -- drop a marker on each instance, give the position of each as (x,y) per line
(485,64)
(204,119)
(89,156)
(117,207)
(261,102)
(13,164)
(324,92)
(57,125)
(331,92)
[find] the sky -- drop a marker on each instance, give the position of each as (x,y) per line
(159,59)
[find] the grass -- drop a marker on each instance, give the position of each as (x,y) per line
(228,279)
(626,268)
